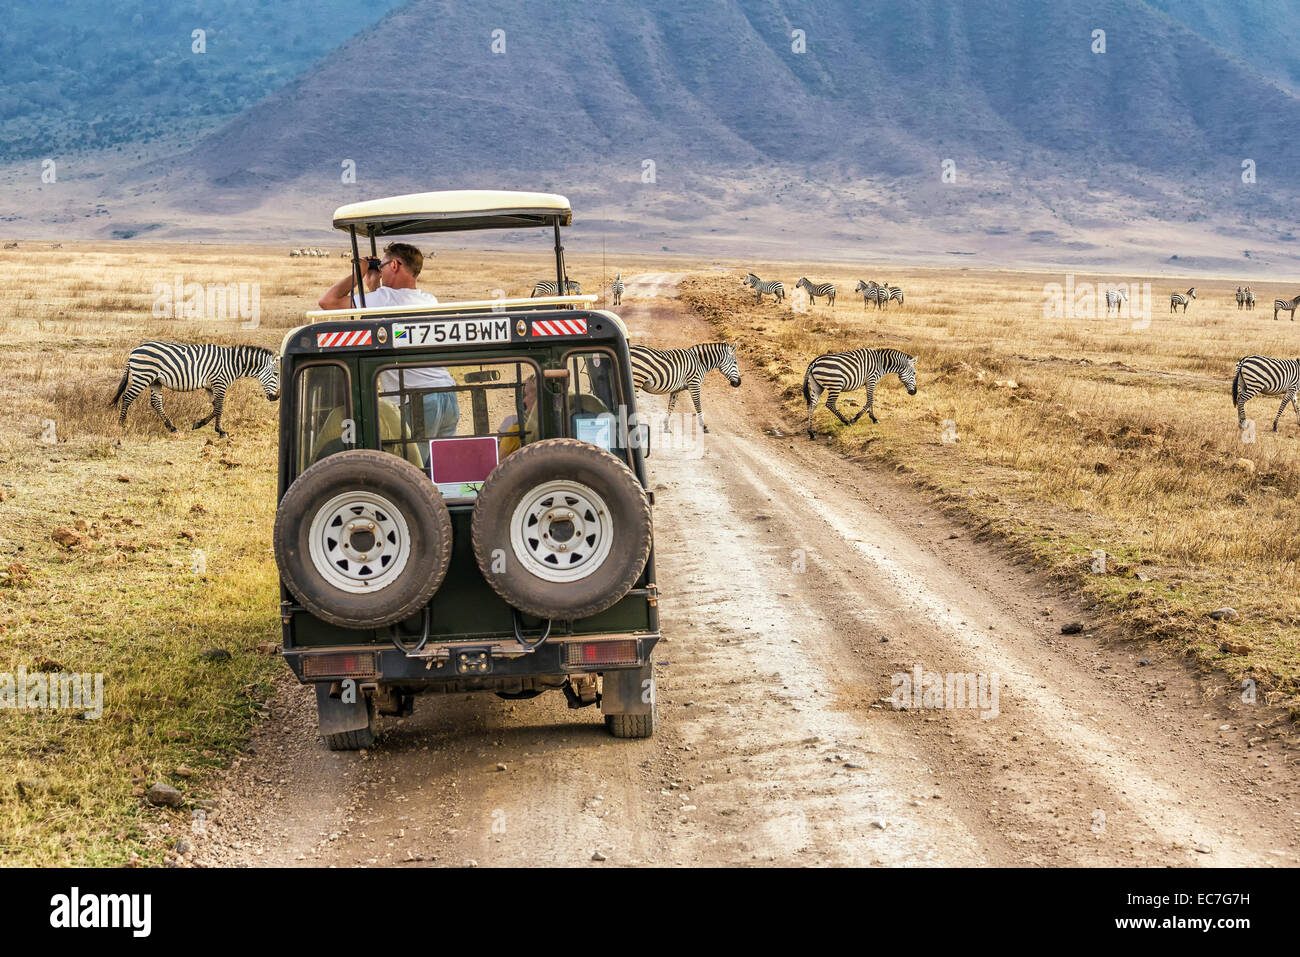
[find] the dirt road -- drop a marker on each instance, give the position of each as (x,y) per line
(795,586)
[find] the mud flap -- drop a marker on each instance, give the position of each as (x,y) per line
(337,716)
(628,690)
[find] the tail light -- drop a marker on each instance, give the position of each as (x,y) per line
(350,664)
(597,653)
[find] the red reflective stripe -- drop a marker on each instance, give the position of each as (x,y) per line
(347,337)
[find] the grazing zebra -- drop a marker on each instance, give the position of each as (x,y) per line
(870,292)
(1113,299)
(547,287)
(1250,299)
(1260,375)
(670,371)
(826,289)
(617,288)
(837,372)
(1287,305)
(1241,299)
(184,368)
(1177,299)
(777,289)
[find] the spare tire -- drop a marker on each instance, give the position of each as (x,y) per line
(362,539)
(561,529)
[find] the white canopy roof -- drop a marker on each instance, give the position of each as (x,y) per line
(453,209)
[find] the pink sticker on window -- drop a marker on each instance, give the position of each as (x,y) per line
(468,459)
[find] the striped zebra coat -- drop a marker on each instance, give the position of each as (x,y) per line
(776,288)
(1286,305)
(1177,299)
(547,287)
(893,292)
(1114,298)
(1261,375)
(1250,299)
(184,368)
(617,289)
(870,292)
(826,289)
(839,372)
(672,371)
(1241,298)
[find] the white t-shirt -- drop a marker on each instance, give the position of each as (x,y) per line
(387,296)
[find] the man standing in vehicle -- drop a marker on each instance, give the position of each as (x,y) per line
(391,282)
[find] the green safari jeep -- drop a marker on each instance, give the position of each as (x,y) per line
(462,493)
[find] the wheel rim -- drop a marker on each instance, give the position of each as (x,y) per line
(359,542)
(561,531)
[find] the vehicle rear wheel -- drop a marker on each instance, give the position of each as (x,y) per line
(561,529)
(362,539)
(633,725)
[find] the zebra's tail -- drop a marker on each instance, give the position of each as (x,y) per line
(1236,382)
(121,387)
(807,392)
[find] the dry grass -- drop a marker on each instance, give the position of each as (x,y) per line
(1074,435)
(131,600)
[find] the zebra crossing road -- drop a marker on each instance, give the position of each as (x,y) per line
(795,587)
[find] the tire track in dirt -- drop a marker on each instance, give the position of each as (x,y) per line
(774,744)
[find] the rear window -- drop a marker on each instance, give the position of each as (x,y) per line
(435,412)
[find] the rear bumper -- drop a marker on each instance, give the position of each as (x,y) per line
(456,661)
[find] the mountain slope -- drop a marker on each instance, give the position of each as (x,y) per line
(1051,143)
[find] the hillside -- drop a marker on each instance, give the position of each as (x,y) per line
(1059,152)
(82,76)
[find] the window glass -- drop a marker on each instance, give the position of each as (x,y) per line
(430,403)
(592,400)
(323,403)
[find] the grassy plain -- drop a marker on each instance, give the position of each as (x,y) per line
(1111,438)
(1071,435)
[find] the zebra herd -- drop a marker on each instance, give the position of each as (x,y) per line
(872,291)
(1245,300)
(673,371)
(881,295)
(294,253)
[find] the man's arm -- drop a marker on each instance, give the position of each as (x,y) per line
(339,295)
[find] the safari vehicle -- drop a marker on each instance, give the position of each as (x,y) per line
(462,493)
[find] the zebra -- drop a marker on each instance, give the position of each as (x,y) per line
(547,287)
(1241,299)
(184,368)
(1113,299)
(837,372)
(617,288)
(1261,375)
(1250,299)
(671,371)
(776,288)
(1177,299)
(1287,305)
(826,289)
(870,292)
(893,292)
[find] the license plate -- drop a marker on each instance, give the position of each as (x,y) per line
(453,332)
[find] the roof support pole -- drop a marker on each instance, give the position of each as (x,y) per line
(559,261)
(356,269)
